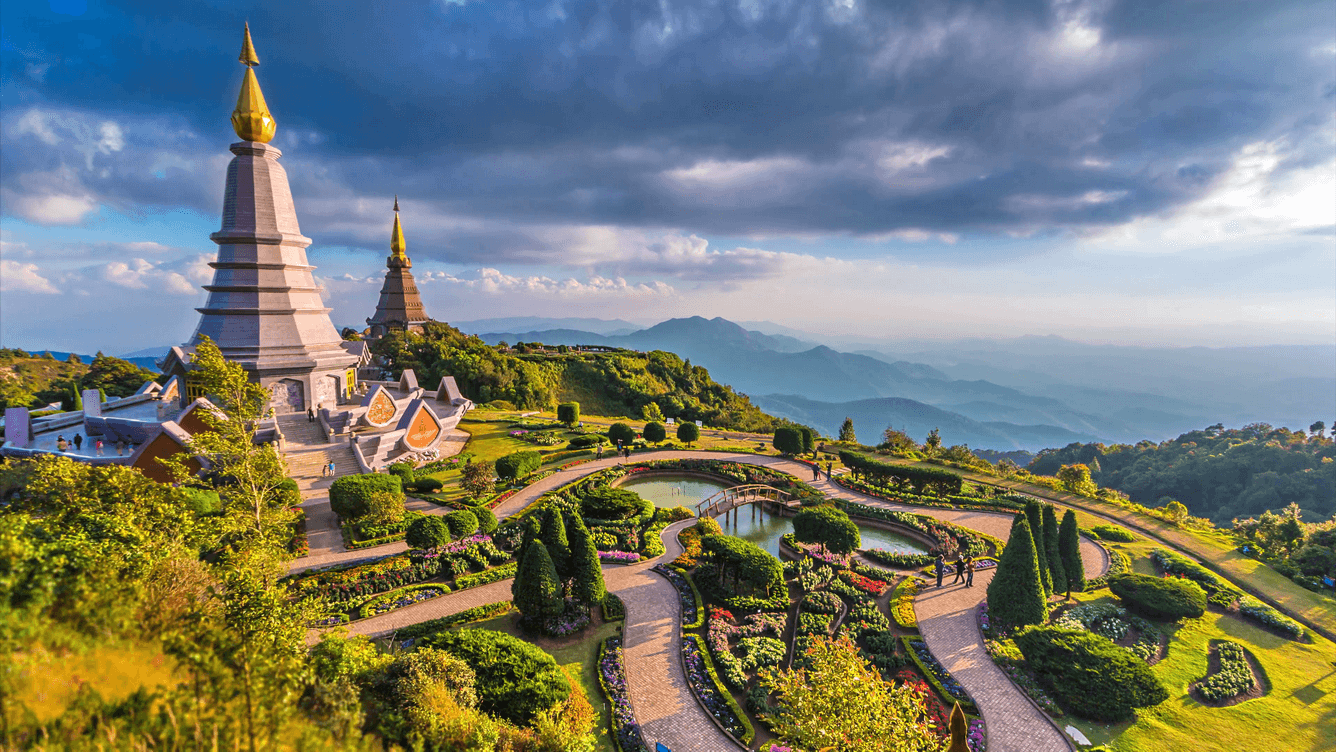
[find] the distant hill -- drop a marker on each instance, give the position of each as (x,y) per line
(914,418)
(531,323)
(33,380)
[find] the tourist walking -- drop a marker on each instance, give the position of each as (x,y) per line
(310,415)
(598,453)
(816,471)
(331,468)
(120,447)
(61,443)
(960,570)
(829,465)
(940,566)
(78,442)
(98,446)
(969,572)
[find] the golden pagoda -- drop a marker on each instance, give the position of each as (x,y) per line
(400,306)
(251,119)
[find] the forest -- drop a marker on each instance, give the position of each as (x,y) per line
(36,380)
(533,377)
(1218,473)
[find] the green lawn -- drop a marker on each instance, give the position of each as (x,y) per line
(577,655)
(1297,714)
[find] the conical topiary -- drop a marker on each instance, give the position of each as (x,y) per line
(960,730)
(587,586)
(1016,594)
(554,537)
(536,590)
(1051,550)
(1034,514)
(1069,545)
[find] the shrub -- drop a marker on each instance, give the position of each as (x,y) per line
(760,653)
(613,608)
(536,590)
(487,522)
(902,603)
(673,514)
(586,441)
(1234,677)
(403,471)
(201,500)
(516,465)
(350,496)
(688,433)
(1113,533)
(813,624)
(827,526)
(621,433)
(1016,594)
(1091,677)
(1069,548)
(428,532)
(516,680)
(289,493)
(788,440)
(655,432)
(612,504)
(1264,614)
(462,522)
(1159,598)
(821,602)
(487,577)
(427,485)
(569,413)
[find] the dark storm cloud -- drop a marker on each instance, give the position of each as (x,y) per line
(741,118)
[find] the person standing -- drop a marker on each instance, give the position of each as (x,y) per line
(61,443)
(98,446)
(331,468)
(310,415)
(78,442)
(829,465)
(120,447)
(940,566)
(598,453)
(969,572)
(960,569)
(816,471)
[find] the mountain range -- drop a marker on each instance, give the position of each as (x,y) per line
(1027,393)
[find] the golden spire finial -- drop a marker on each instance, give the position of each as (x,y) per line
(397,244)
(251,119)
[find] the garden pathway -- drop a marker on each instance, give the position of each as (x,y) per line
(663,703)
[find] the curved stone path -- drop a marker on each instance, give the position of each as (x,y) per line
(662,701)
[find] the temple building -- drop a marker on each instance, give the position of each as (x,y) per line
(400,306)
(265,312)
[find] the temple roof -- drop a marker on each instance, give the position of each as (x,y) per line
(400,304)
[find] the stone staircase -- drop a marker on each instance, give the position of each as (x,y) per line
(307,453)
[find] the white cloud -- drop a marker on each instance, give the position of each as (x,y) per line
(141,274)
(24,277)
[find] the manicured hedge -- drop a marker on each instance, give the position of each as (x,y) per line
(462,523)
(503,572)
(516,465)
(1090,675)
(477,613)
(1169,598)
(613,608)
(516,680)
(944,481)
(1113,533)
(349,495)
(587,441)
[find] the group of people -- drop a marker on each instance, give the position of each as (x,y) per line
(63,445)
(816,470)
(328,470)
(964,568)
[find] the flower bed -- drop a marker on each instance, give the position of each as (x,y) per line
(950,538)
(937,674)
(899,496)
(721,633)
(618,557)
(573,618)
(1114,623)
(626,733)
(813,624)
(401,598)
(693,614)
(413,632)
(503,572)
(902,603)
(821,602)
(1219,590)
(900,561)
(710,692)
(1234,678)
(867,585)
(865,619)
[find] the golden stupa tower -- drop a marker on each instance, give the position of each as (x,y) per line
(400,306)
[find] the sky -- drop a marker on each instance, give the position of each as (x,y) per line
(1107,171)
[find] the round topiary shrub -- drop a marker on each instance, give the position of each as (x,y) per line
(516,465)
(1113,533)
(403,471)
(515,679)
(427,485)
(289,493)
(487,522)
(461,522)
(428,532)
(587,441)
(655,432)
(621,433)
(1089,675)
(1170,598)
(611,504)
(351,495)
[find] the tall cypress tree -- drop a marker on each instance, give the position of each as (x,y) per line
(1016,594)
(588,585)
(554,537)
(1069,545)
(1034,514)
(1051,549)
(533,530)
(536,590)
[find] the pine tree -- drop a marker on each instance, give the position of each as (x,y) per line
(1051,549)
(847,431)
(588,575)
(1069,545)
(554,538)
(536,590)
(1016,595)
(533,530)
(1034,514)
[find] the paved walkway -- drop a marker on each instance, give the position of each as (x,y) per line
(662,701)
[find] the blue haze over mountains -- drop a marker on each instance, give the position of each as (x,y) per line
(1024,393)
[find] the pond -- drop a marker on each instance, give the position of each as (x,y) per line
(765,529)
(674,490)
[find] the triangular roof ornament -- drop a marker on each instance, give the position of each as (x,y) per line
(380,407)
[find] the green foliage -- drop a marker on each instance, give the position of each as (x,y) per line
(486,577)
(655,432)
(487,522)
(201,500)
(847,433)
(477,478)
(516,465)
(461,522)
(1218,473)
(430,531)
(621,434)
(743,561)
(569,413)
(587,571)
(688,433)
(403,471)
(1114,533)
(588,440)
(1016,594)
(828,527)
(608,503)
(1069,548)
(1088,674)
(1052,550)
(808,439)
(613,608)
(1234,677)
(821,602)
(353,497)
(556,542)
(1034,513)
(1076,479)
(942,482)
(788,440)
(515,679)
(1168,598)
(536,590)
(652,413)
